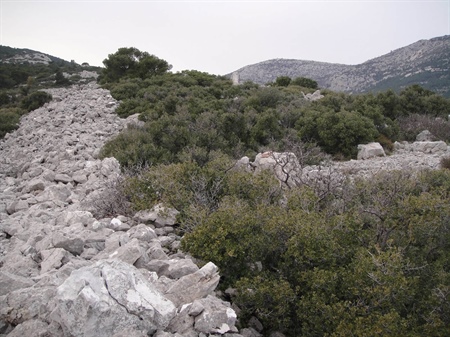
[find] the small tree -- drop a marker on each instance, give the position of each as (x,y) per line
(282,81)
(131,62)
(60,79)
(305,82)
(36,100)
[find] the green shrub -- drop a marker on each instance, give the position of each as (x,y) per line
(336,132)
(282,81)
(9,120)
(304,270)
(35,100)
(445,163)
(305,82)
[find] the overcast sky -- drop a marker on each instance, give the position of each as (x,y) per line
(222,36)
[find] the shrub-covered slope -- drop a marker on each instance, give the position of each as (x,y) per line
(322,257)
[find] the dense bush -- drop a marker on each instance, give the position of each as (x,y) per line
(370,257)
(323,257)
(35,100)
(9,120)
(132,63)
(380,265)
(190,113)
(336,132)
(305,82)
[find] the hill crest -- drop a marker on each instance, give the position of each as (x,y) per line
(425,62)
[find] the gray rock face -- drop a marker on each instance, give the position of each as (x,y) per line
(285,165)
(107,297)
(193,286)
(425,136)
(159,216)
(371,150)
(64,272)
(216,317)
(392,69)
(316,95)
(428,147)
(10,282)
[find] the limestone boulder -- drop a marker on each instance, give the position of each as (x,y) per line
(10,282)
(54,258)
(371,150)
(216,317)
(69,218)
(142,233)
(194,286)
(171,268)
(430,147)
(285,165)
(72,243)
(36,184)
(26,304)
(34,327)
(159,216)
(425,136)
(128,253)
(108,297)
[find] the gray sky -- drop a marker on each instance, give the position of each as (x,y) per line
(222,36)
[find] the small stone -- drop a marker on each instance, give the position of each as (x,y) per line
(63,178)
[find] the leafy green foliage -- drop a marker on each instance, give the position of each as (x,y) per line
(190,114)
(368,256)
(60,80)
(380,266)
(9,119)
(132,63)
(282,81)
(35,100)
(337,132)
(378,263)
(305,82)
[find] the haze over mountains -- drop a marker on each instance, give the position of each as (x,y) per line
(426,62)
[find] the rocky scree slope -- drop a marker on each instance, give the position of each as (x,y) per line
(65,273)
(426,62)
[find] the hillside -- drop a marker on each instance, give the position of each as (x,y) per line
(305,246)
(425,62)
(23,56)
(17,65)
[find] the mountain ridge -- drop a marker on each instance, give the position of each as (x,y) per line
(425,62)
(26,55)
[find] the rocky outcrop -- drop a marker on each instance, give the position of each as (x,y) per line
(425,62)
(65,272)
(371,160)
(371,150)
(430,147)
(316,95)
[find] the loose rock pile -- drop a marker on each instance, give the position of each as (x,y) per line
(65,273)
(419,155)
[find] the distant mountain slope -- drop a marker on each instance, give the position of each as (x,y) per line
(426,62)
(22,55)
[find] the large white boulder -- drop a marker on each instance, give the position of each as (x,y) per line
(371,150)
(107,297)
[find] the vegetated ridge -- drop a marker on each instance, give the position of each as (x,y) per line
(24,55)
(425,62)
